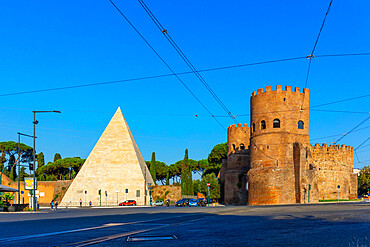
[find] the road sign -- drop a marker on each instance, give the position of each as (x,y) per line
(208,184)
(22,192)
(338,186)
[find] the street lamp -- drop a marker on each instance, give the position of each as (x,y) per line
(34,154)
(19,164)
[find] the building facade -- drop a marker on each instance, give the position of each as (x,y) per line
(273,162)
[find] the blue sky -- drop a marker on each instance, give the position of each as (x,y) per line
(48,44)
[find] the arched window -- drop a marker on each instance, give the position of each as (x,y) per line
(276,123)
(300,125)
(263,124)
(253,127)
(242,147)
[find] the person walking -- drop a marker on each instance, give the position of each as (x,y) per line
(90,203)
(80,202)
(52,205)
(56,205)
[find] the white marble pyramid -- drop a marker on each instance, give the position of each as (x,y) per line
(114,165)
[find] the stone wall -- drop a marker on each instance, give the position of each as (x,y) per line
(334,165)
(45,193)
(160,191)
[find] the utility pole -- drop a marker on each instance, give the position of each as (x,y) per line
(34,201)
(19,164)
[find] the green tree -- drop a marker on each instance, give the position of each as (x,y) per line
(218,153)
(61,168)
(57,156)
(152,168)
(196,186)
(168,176)
(12,174)
(9,151)
(186,175)
(214,188)
(40,159)
(364,181)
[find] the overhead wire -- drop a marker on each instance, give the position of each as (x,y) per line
(311,56)
(185,59)
(170,75)
(165,63)
(352,129)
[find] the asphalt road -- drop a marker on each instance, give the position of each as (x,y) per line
(343,224)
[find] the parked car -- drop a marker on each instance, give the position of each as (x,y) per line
(193,203)
(128,203)
(202,202)
(186,200)
(181,203)
(158,203)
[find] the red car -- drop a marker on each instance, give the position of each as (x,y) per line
(128,203)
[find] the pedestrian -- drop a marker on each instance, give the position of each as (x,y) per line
(80,202)
(56,205)
(52,205)
(90,203)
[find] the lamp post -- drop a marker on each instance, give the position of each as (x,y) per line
(19,163)
(34,154)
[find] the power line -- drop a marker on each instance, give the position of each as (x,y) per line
(322,25)
(362,143)
(165,63)
(339,134)
(185,59)
(352,129)
(339,101)
(180,73)
(313,50)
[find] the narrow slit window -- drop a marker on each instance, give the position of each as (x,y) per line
(300,125)
(263,124)
(276,123)
(253,127)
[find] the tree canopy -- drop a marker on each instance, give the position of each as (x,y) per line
(61,169)
(364,181)
(218,153)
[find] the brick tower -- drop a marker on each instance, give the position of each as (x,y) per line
(279,121)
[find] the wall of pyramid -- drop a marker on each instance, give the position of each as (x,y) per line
(114,165)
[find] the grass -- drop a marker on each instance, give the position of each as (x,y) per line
(341,200)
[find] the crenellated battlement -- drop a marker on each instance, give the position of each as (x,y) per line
(234,127)
(332,149)
(279,88)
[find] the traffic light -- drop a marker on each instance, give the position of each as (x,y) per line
(106,193)
(30,166)
(99,192)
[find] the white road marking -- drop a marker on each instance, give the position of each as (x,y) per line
(84,229)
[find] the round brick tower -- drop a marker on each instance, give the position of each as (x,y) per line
(278,120)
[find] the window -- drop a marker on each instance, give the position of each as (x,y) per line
(263,124)
(253,127)
(276,123)
(234,146)
(138,193)
(300,125)
(242,147)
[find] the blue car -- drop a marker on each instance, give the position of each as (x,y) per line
(193,203)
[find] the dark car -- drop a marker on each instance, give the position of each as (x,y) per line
(180,203)
(128,203)
(202,202)
(186,200)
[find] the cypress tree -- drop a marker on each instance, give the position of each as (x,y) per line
(12,174)
(185,174)
(40,160)
(57,156)
(168,177)
(152,168)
